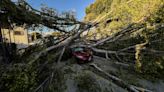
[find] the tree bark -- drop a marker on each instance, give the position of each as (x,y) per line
(120,82)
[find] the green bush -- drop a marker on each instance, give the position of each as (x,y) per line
(19,78)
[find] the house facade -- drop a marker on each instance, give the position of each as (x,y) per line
(18,35)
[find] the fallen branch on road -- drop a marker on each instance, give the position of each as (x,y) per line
(120,82)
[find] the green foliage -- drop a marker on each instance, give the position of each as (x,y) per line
(30,52)
(19,78)
(153,63)
(97,8)
(149,12)
(158,16)
(126,11)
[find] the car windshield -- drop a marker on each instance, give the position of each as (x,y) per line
(78,49)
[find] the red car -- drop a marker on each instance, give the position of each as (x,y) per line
(83,55)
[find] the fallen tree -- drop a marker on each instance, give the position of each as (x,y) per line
(119,81)
(73,39)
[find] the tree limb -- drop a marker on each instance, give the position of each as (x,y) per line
(120,82)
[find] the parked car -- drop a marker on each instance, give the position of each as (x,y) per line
(82,55)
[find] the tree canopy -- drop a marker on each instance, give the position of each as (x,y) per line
(10,12)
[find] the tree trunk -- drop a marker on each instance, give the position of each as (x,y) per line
(2,45)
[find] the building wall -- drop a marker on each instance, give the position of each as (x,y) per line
(18,35)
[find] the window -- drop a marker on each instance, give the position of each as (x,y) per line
(18,33)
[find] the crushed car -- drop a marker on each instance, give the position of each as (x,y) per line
(82,54)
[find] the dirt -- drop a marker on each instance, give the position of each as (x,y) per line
(80,78)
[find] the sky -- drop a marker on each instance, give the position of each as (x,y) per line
(64,5)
